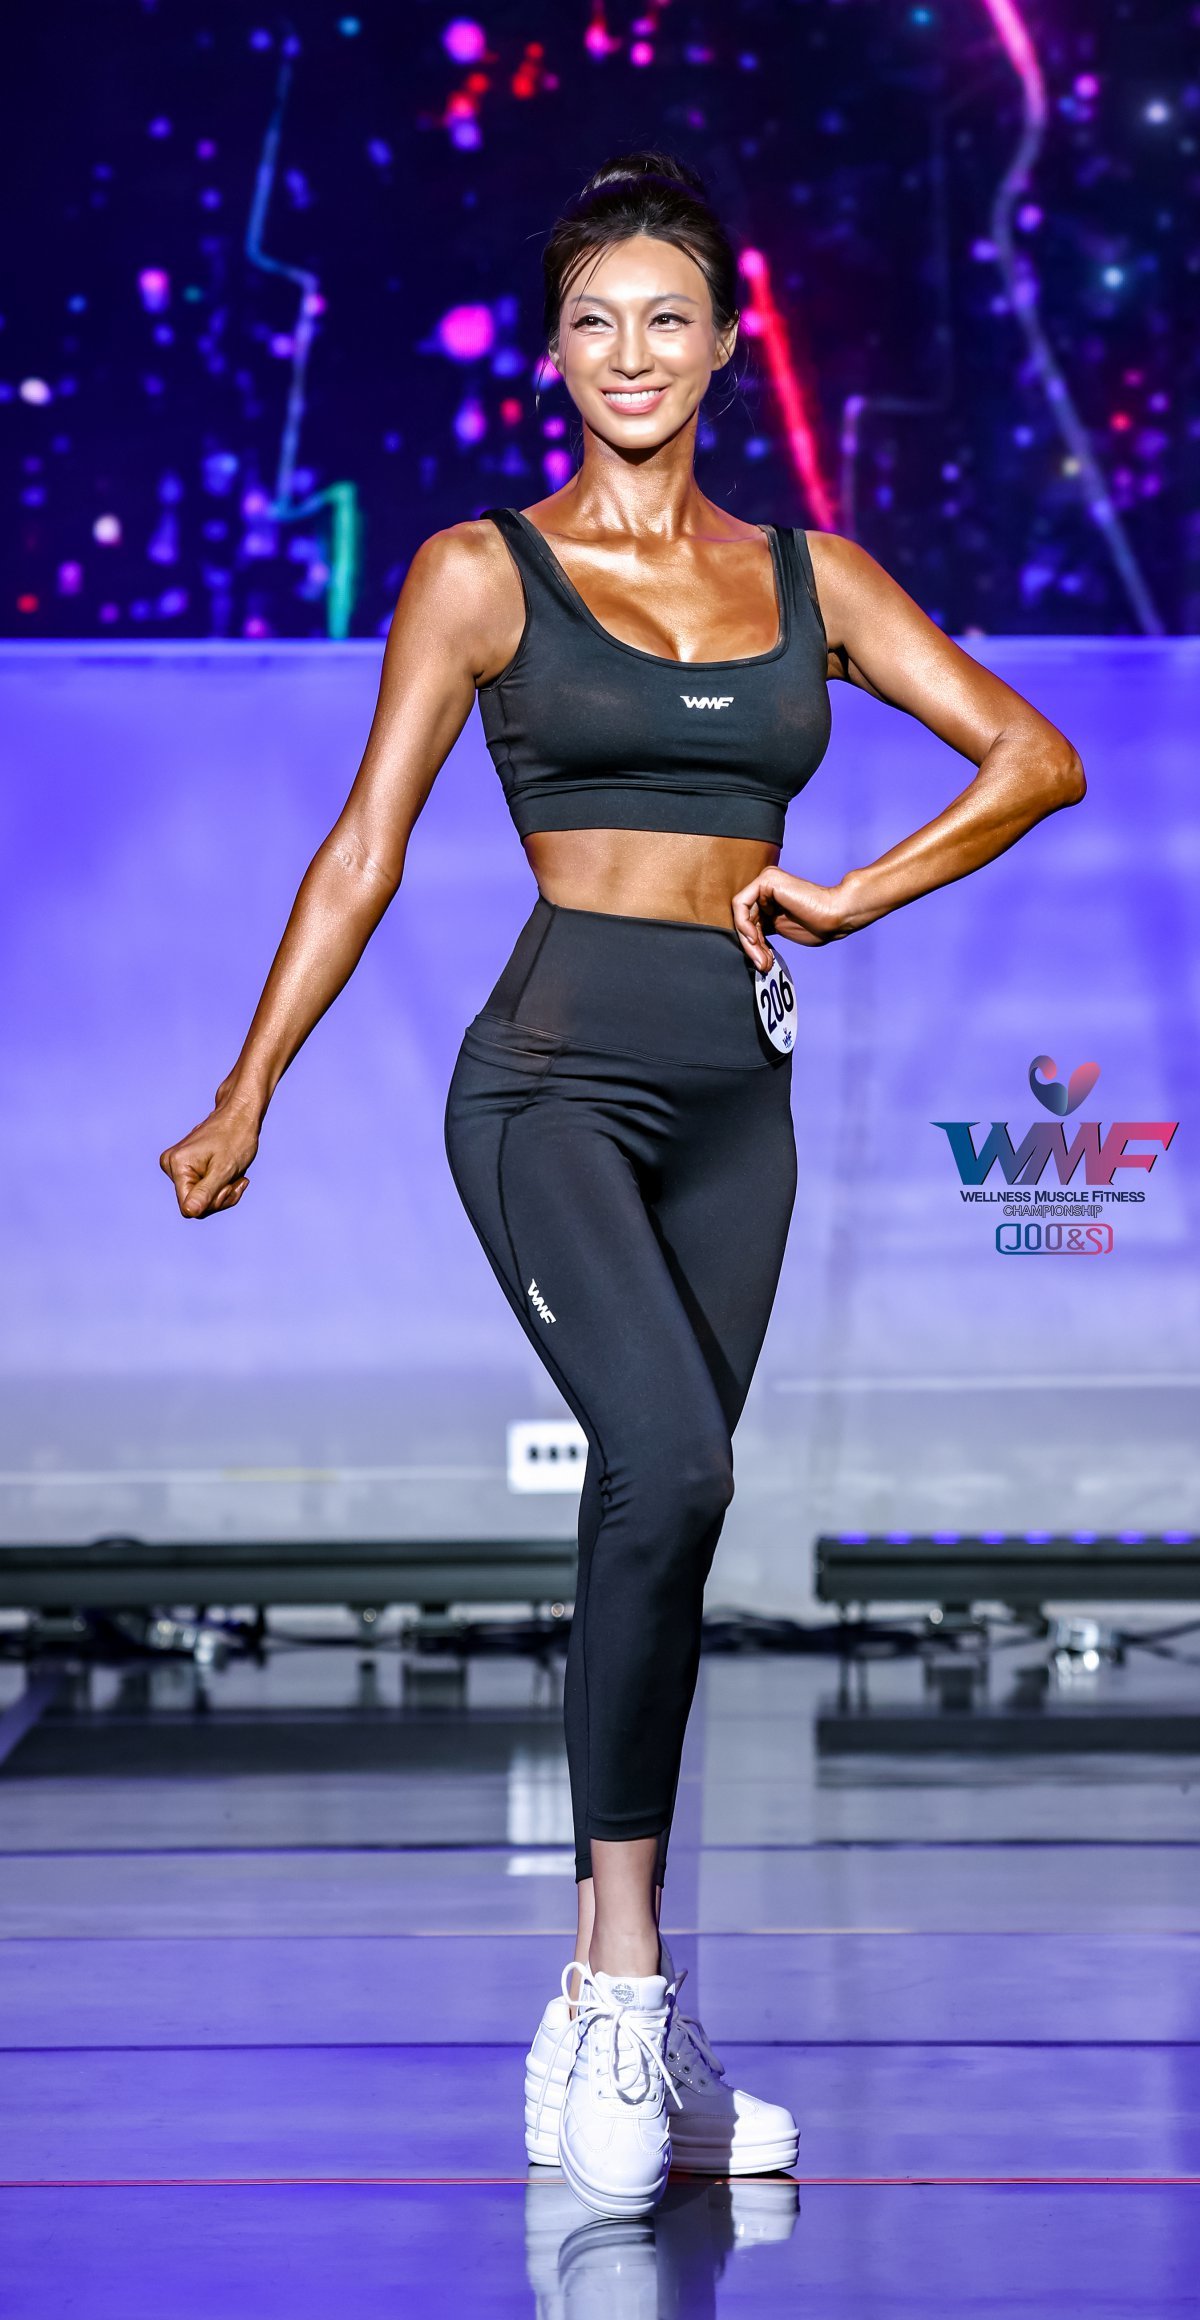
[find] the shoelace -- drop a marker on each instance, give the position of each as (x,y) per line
(591,2001)
(686,2031)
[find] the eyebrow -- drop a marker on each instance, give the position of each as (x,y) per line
(680,297)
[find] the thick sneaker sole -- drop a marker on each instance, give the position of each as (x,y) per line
(541,2142)
(687,2157)
(717,2159)
(624,2205)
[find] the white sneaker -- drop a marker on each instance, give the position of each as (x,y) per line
(547,2069)
(614,2133)
(717,2129)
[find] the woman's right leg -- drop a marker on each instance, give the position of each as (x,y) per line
(591,1509)
(544,1146)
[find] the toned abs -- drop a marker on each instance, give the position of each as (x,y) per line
(646,873)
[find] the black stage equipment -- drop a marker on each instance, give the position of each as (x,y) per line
(137,1574)
(1023,1571)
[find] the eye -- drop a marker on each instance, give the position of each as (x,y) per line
(667,316)
(581,319)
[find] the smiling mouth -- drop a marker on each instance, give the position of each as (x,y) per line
(632,398)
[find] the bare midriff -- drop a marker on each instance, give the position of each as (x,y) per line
(646,873)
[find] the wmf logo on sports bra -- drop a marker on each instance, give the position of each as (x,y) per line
(1066,1219)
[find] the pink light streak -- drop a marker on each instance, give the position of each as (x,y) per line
(1022,55)
(766,322)
(1021,284)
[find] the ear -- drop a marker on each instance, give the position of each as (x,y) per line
(725,346)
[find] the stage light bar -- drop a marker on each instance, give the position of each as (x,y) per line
(137,1574)
(1024,1570)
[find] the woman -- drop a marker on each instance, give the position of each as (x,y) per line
(652,676)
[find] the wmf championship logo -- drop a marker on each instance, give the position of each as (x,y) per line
(1066,1218)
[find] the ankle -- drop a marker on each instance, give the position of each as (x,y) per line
(625,1951)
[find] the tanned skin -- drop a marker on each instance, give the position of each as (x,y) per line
(662,568)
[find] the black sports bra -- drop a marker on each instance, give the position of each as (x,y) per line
(587,732)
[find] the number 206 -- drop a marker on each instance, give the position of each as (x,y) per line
(776,999)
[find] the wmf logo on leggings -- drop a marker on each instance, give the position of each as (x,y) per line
(1073,1215)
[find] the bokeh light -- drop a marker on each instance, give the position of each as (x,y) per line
(466,333)
(155,287)
(464,40)
(470,421)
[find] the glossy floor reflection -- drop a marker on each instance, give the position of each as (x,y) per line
(494,2251)
(271,1951)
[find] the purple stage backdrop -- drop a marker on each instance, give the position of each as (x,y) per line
(336,1354)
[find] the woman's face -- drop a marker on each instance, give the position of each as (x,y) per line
(636,345)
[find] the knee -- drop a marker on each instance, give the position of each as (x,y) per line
(705,1480)
(686,1486)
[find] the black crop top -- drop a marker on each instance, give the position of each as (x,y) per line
(587,732)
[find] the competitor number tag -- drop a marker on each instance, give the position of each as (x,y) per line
(776,1003)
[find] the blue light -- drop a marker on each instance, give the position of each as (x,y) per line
(853,1539)
(1084,1538)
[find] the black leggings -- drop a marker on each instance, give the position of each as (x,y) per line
(620,1131)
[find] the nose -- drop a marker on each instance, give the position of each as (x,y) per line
(630,354)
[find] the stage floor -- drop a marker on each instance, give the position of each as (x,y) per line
(270,1956)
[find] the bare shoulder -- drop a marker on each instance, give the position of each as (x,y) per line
(883,641)
(840,564)
(856,594)
(468,557)
(462,582)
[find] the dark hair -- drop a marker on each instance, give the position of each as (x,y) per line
(641,193)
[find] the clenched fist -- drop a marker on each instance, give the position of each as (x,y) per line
(208,1168)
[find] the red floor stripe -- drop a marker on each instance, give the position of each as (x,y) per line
(492,2182)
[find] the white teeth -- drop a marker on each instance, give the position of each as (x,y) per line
(641,395)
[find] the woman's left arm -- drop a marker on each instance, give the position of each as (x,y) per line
(881,641)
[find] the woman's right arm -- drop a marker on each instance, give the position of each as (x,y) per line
(457,621)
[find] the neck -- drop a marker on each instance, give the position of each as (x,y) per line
(653,494)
